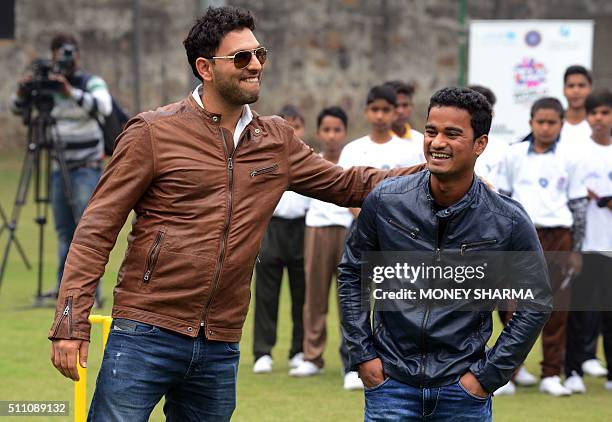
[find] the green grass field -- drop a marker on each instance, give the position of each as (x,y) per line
(27,374)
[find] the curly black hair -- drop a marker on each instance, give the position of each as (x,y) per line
(206,35)
(486,92)
(469,100)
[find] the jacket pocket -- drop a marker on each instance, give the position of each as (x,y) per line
(475,245)
(410,232)
(264,170)
(152,257)
(66,314)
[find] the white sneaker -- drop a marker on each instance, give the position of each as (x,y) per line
(306,369)
(608,385)
(552,385)
(524,378)
(594,368)
(263,365)
(352,381)
(505,390)
(574,383)
(296,360)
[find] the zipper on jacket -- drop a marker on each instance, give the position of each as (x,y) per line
(226,226)
(66,313)
(466,246)
(264,170)
(412,233)
(152,258)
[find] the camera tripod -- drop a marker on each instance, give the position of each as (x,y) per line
(42,149)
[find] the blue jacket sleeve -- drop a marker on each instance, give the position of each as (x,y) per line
(528,270)
(353,297)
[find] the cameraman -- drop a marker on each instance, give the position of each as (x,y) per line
(80,103)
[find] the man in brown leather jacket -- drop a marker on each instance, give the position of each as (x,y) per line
(203,176)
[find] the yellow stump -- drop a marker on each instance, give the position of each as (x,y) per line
(80,387)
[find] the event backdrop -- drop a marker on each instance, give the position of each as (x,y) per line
(522,61)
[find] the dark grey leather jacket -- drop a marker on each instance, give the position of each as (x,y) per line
(431,347)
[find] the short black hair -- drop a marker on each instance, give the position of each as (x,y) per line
(577,70)
(469,100)
(289,111)
(333,111)
(401,87)
(598,98)
(206,34)
(548,103)
(62,38)
(486,92)
(382,92)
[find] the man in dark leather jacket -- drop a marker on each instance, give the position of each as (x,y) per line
(432,362)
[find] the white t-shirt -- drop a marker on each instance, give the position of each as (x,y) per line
(392,154)
(598,178)
(325,214)
(575,135)
(488,165)
(543,183)
(364,152)
(291,205)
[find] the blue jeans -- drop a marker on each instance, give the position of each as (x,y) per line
(83,181)
(395,401)
(142,363)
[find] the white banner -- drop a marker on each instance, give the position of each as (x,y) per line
(523,60)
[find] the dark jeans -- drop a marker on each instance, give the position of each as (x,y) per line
(394,401)
(142,363)
(282,246)
(83,182)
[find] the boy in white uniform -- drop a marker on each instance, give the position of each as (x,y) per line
(593,289)
(544,176)
(282,246)
(577,85)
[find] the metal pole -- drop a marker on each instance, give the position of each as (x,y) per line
(136,56)
(462,42)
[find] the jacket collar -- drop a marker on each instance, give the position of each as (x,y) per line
(464,202)
(253,124)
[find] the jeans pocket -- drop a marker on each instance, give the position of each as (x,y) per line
(377,386)
(471,395)
(232,347)
(130,327)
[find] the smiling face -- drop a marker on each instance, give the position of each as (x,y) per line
(450,148)
(235,86)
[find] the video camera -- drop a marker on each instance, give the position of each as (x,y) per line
(39,91)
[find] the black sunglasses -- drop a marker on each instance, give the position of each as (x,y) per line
(243,58)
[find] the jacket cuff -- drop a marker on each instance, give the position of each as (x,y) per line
(487,375)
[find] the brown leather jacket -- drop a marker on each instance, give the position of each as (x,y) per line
(202,210)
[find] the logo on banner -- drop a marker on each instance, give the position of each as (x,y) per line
(533,38)
(530,77)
